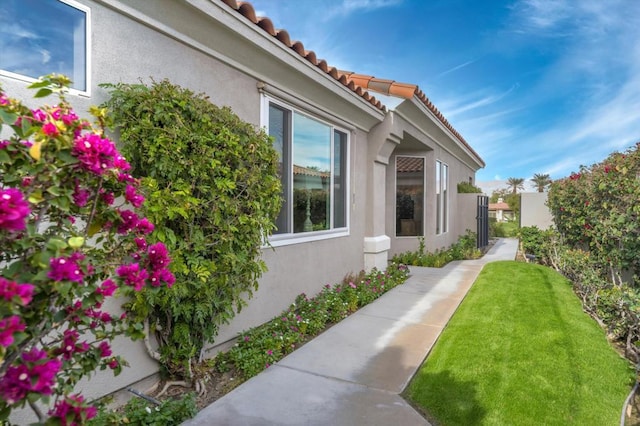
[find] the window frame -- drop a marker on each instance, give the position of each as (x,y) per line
(87,54)
(442,198)
(287,238)
(424,195)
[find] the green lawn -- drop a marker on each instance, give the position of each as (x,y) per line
(520,351)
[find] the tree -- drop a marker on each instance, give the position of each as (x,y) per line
(514,184)
(541,181)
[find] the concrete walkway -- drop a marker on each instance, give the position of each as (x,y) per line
(353,373)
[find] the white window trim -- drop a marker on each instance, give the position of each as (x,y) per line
(87,65)
(439,214)
(424,196)
(278,240)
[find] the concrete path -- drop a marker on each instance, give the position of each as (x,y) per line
(353,373)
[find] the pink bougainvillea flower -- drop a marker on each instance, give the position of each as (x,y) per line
(39,115)
(8,327)
(35,373)
(105,349)
(144,226)
(107,288)
(50,129)
(130,220)
(107,197)
(69,118)
(11,289)
(132,196)
(4,143)
(14,210)
(113,364)
(96,154)
(80,195)
(162,275)
(65,268)
(133,275)
(158,256)
(70,345)
(72,411)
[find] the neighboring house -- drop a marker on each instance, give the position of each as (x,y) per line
(501,211)
(364,176)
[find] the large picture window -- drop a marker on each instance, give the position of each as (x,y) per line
(409,196)
(40,37)
(313,170)
(442,197)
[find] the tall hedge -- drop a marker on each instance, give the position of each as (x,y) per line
(212,192)
(598,209)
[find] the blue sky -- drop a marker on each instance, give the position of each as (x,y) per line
(535,86)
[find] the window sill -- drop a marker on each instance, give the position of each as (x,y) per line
(290,239)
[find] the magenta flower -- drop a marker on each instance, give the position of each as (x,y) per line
(4,143)
(160,275)
(158,256)
(72,411)
(141,243)
(113,364)
(11,289)
(35,373)
(39,115)
(144,226)
(50,129)
(95,153)
(80,196)
(132,196)
(133,275)
(130,220)
(4,99)
(8,327)
(13,210)
(108,197)
(65,268)
(105,349)
(107,288)
(70,345)
(69,118)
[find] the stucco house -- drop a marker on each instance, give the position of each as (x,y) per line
(378,158)
(501,211)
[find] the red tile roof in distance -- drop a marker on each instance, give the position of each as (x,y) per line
(358,83)
(409,164)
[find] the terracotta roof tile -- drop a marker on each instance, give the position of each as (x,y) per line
(305,171)
(246,9)
(499,206)
(358,83)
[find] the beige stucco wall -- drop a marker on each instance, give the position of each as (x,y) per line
(534,210)
(125,50)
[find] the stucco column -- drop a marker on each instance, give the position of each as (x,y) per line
(376,242)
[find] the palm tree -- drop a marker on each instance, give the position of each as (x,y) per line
(515,184)
(541,181)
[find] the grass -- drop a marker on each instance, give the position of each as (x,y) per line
(520,351)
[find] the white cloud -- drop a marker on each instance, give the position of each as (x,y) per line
(347,7)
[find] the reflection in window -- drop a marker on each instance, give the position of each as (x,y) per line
(442,197)
(409,196)
(39,37)
(313,171)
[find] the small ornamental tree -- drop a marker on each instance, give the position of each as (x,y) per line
(213,192)
(71,239)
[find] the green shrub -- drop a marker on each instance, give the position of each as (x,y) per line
(140,412)
(503,229)
(213,193)
(468,188)
(464,248)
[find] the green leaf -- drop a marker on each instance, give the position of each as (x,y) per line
(43,93)
(8,117)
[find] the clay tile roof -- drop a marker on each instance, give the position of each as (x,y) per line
(407,91)
(358,83)
(299,170)
(409,164)
(246,9)
(499,206)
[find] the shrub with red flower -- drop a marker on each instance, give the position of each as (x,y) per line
(67,245)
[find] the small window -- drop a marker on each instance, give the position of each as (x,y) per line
(409,196)
(442,197)
(40,37)
(313,171)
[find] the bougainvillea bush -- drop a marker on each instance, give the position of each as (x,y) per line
(71,239)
